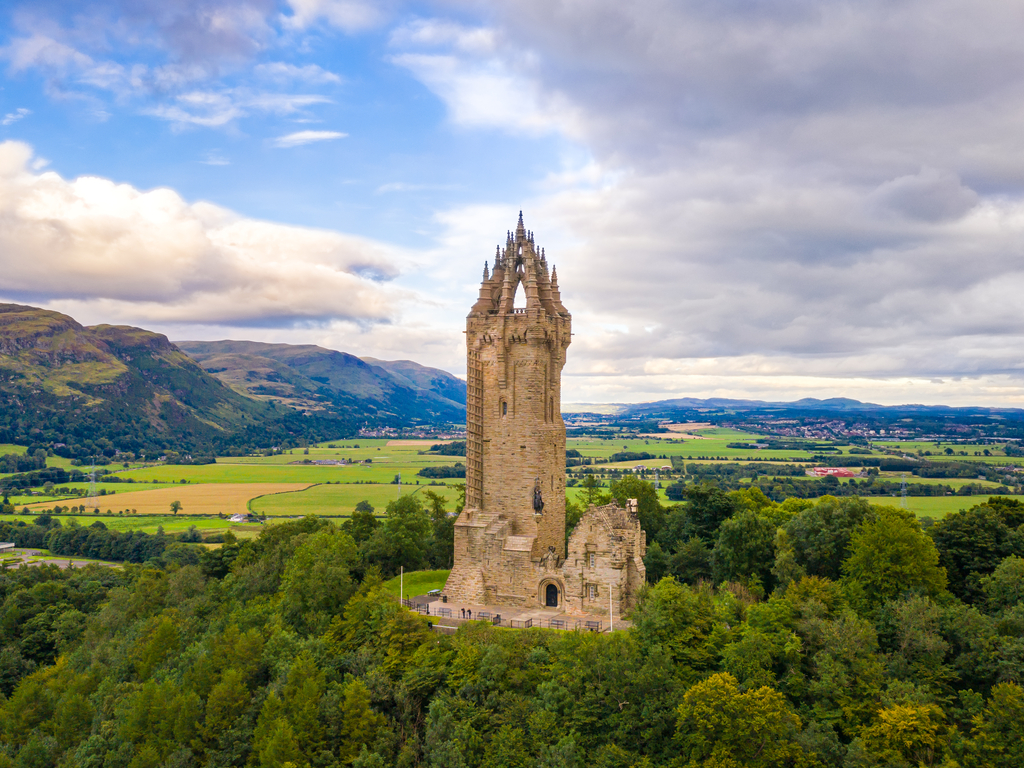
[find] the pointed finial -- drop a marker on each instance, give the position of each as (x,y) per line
(520,229)
(487,275)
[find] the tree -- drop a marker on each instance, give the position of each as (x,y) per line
(846,673)
(890,555)
(591,490)
(906,736)
(281,748)
(228,699)
(403,538)
(508,749)
(971,544)
(1005,587)
(656,563)
(441,552)
(817,538)
(363,522)
(691,562)
(175,507)
(680,619)
(721,726)
(649,509)
(360,724)
(744,550)
(706,508)
(998,738)
(317,580)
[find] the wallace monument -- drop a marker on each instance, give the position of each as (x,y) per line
(510,546)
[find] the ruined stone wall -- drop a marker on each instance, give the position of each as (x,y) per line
(605,555)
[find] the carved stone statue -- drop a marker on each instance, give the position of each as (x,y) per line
(549,560)
(538,500)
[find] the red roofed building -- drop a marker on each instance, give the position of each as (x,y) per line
(831,472)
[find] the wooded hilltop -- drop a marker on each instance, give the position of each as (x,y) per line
(803,633)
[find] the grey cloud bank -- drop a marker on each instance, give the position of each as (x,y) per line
(833,187)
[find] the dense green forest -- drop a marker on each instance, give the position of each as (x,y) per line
(806,633)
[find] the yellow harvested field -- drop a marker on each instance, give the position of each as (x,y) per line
(207,499)
(687,426)
(417,442)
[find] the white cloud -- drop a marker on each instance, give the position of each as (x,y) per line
(306,137)
(12,117)
(214,158)
(402,186)
(438,32)
(43,51)
(486,93)
(283,72)
(214,109)
(347,15)
(151,256)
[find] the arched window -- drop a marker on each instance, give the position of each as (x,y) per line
(504,408)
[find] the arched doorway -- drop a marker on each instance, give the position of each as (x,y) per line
(551,596)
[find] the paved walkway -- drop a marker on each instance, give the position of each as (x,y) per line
(453,615)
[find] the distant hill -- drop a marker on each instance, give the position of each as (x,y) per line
(109,386)
(808,405)
(96,390)
(316,379)
(436,382)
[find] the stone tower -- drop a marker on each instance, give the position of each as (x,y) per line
(510,537)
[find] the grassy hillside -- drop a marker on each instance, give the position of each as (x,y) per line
(316,379)
(107,388)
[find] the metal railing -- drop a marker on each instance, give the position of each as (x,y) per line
(563,624)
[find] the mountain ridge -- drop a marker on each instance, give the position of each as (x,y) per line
(313,377)
(826,405)
(90,390)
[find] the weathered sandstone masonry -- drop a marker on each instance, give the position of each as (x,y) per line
(510,538)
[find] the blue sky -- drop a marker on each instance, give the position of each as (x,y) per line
(743,199)
(399,159)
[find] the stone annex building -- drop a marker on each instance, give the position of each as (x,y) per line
(510,546)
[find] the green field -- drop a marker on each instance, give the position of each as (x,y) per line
(335,500)
(575,493)
(930,506)
(382,470)
(711,442)
(336,489)
(953,482)
(417,583)
(145,523)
